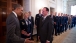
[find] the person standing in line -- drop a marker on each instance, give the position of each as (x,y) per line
(37,22)
(31,19)
(69,21)
(55,23)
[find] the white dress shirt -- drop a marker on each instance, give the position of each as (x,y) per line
(14,13)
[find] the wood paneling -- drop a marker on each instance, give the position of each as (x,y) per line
(6,7)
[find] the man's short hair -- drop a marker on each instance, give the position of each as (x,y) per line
(47,9)
(16,6)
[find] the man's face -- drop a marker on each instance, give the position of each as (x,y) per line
(29,13)
(58,14)
(20,11)
(40,11)
(44,12)
(55,13)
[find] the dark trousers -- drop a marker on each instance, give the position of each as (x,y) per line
(65,26)
(62,28)
(32,33)
(74,23)
(37,33)
(69,25)
(58,29)
(55,27)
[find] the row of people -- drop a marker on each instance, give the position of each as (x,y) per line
(62,21)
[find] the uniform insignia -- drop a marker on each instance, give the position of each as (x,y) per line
(23,23)
(29,22)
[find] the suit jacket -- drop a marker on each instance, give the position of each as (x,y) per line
(37,20)
(46,29)
(55,19)
(32,21)
(13,30)
(62,20)
(66,19)
(23,25)
(69,20)
(58,20)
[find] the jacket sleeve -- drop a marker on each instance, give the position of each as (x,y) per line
(50,30)
(36,20)
(33,21)
(21,26)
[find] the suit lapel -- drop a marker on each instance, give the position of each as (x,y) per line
(43,22)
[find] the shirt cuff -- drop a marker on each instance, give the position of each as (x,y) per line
(25,41)
(48,41)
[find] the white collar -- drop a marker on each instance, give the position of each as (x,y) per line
(39,14)
(29,17)
(45,16)
(14,13)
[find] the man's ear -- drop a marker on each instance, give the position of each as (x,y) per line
(17,9)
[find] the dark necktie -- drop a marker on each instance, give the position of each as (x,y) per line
(43,19)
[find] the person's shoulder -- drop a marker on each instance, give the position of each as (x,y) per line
(37,14)
(10,16)
(22,20)
(32,16)
(48,17)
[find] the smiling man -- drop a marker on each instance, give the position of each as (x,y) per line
(46,27)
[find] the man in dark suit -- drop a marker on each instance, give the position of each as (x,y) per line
(31,19)
(55,22)
(46,27)
(37,22)
(66,20)
(58,23)
(13,26)
(62,23)
(51,15)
